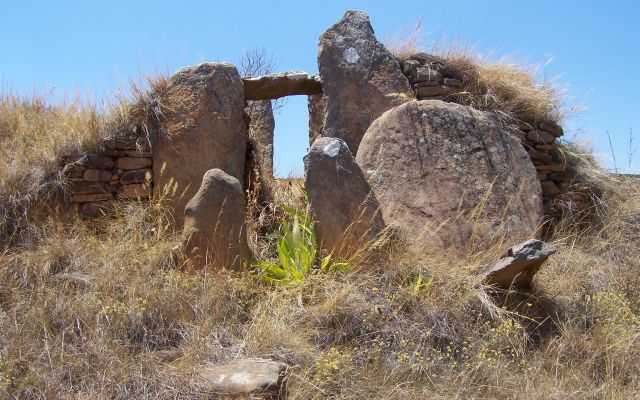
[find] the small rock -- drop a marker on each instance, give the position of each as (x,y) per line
(425,91)
(247,378)
(518,266)
(549,188)
(97,161)
(87,198)
(97,175)
(552,127)
(454,83)
(93,210)
(128,163)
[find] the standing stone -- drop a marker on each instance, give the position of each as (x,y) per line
(360,78)
(449,177)
(214,228)
(346,213)
(203,127)
(261,130)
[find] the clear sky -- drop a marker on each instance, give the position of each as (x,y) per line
(591,48)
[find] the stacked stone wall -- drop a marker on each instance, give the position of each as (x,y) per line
(119,169)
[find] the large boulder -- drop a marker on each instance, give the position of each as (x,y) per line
(203,127)
(360,78)
(214,226)
(346,213)
(261,130)
(448,176)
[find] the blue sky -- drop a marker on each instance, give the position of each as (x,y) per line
(65,48)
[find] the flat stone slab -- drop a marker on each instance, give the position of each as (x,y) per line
(274,86)
(247,378)
(518,266)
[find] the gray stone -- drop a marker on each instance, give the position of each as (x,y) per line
(518,266)
(360,78)
(214,228)
(449,177)
(246,379)
(540,137)
(317,106)
(261,128)
(346,213)
(204,128)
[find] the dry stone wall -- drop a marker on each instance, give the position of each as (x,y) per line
(120,169)
(432,79)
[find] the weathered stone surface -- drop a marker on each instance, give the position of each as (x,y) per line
(317,106)
(97,161)
(346,213)
(128,163)
(431,164)
(540,137)
(97,175)
(425,91)
(205,128)
(247,379)
(86,198)
(360,78)
(83,187)
(214,227)
(518,266)
(261,129)
(279,85)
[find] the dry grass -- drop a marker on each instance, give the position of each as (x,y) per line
(99,310)
(490,85)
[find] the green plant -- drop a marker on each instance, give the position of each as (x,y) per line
(296,250)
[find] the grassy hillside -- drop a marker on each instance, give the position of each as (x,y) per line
(99,309)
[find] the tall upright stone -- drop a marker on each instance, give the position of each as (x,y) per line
(203,127)
(317,106)
(448,176)
(214,226)
(360,78)
(346,213)
(261,127)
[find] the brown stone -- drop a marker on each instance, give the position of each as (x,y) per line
(136,176)
(280,85)
(430,164)
(550,168)
(97,175)
(518,266)
(346,213)
(432,91)
(454,83)
(94,209)
(540,137)
(214,227)
(134,191)
(129,163)
(205,128)
(84,187)
(86,198)
(549,188)
(551,127)
(360,78)
(97,161)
